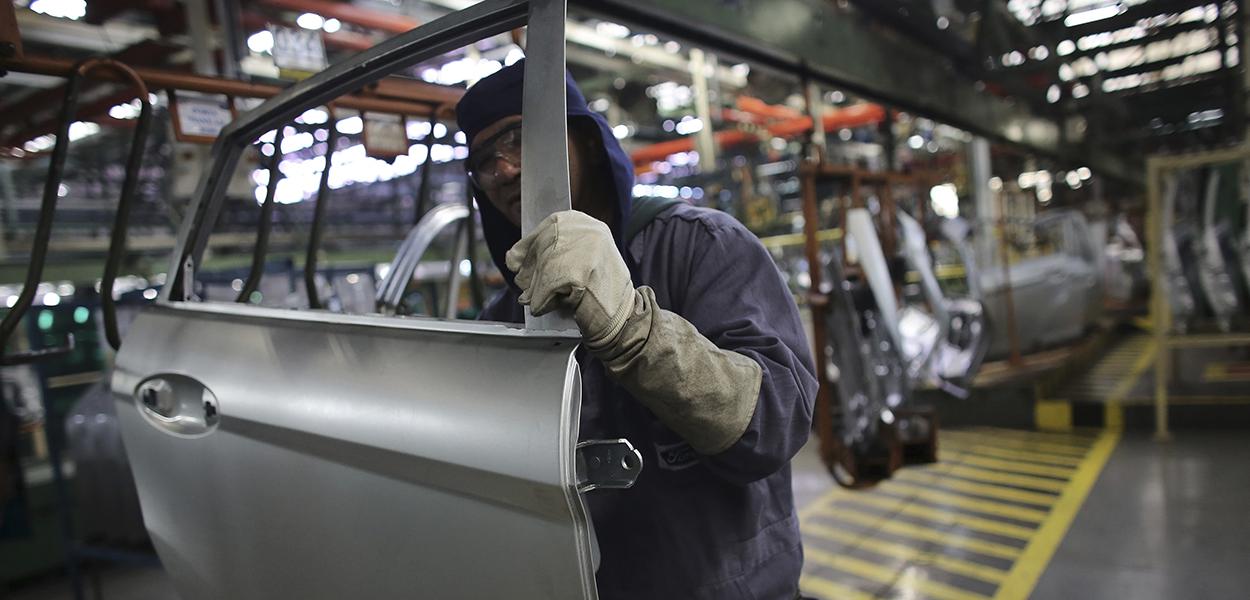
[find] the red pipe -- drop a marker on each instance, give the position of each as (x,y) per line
(858,115)
(349,13)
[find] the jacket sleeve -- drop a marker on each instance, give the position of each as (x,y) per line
(735,297)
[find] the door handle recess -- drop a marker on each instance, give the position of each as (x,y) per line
(178,405)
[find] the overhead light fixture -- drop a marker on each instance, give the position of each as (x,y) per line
(310,21)
(260,42)
(64,9)
(1090,16)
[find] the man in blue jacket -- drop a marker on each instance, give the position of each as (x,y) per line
(692,349)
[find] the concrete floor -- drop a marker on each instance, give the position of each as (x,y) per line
(1163,521)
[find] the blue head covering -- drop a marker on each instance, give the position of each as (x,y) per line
(499,96)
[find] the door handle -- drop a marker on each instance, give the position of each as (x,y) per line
(178,405)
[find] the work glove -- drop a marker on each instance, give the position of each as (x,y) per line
(570,261)
(703,393)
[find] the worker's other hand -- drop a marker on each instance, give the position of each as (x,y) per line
(570,261)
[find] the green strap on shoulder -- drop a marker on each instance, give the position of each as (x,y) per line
(643,212)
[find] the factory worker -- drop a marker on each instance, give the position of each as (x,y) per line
(692,349)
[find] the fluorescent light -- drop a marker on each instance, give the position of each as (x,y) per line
(65,9)
(310,21)
(1090,16)
(260,42)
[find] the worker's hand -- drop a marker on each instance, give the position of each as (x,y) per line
(570,261)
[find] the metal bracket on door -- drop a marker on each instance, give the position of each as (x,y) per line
(607,464)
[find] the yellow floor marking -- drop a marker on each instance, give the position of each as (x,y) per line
(1144,362)
(1015,444)
(917,556)
(1035,457)
(1011,466)
(1026,571)
(987,507)
(919,532)
(830,590)
(986,490)
(938,516)
(1068,440)
(888,576)
(1084,436)
(1024,481)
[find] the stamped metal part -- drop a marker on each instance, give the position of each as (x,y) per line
(607,464)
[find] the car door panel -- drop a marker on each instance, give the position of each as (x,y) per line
(376,458)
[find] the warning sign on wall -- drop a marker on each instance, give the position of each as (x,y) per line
(199,117)
(298,51)
(386,136)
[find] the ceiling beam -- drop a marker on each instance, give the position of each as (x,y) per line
(835,49)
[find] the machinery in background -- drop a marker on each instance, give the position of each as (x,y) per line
(875,337)
(1058,277)
(1204,267)
(962,340)
(1124,263)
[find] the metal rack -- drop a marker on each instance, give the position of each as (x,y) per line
(1160,306)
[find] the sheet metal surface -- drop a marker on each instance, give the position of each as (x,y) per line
(356,460)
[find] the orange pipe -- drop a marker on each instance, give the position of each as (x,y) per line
(349,13)
(858,115)
(756,106)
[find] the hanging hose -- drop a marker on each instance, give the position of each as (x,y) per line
(323,197)
(266,223)
(47,210)
(476,291)
(423,188)
(130,183)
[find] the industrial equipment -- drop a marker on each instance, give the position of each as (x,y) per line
(1060,282)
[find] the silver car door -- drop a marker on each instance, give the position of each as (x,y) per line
(415,245)
(306,454)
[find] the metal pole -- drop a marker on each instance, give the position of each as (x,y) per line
(1013,332)
(703,139)
(545,184)
(1159,306)
(201,37)
(817,301)
(983,197)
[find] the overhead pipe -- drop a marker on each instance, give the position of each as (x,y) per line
(852,116)
(350,13)
(391,97)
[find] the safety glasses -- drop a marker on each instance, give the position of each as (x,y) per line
(483,162)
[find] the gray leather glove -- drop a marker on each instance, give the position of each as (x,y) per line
(705,394)
(570,261)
